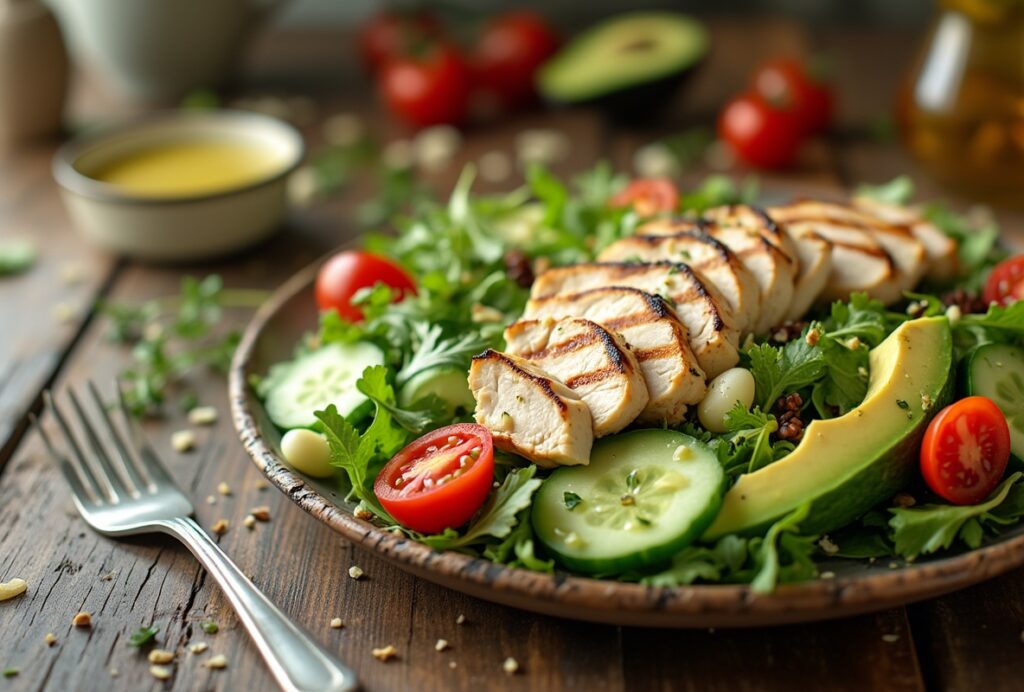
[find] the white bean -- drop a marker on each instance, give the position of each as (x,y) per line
(307,452)
(735,384)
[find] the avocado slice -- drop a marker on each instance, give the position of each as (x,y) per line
(630,65)
(845,466)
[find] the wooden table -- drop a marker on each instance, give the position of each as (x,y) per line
(52,338)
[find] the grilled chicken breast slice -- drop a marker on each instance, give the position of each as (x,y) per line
(702,310)
(859,262)
(593,362)
(713,262)
(842,225)
(815,259)
(943,263)
(528,412)
(652,332)
(756,218)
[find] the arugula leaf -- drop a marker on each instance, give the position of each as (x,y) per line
(899,190)
(977,240)
(423,415)
(779,371)
(16,256)
(780,540)
(143,636)
(926,529)
(846,378)
(750,434)
(517,550)
(498,516)
(861,317)
(433,352)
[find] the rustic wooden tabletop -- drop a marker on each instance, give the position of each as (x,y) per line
(51,337)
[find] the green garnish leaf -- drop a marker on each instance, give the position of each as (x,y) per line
(779,371)
(782,539)
(632,480)
(903,404)
(10,672)
(16,256)
(899,190)
(571,499)
(143,636)
(209,626)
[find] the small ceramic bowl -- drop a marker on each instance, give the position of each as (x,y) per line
(192,227)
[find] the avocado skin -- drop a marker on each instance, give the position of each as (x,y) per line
(641,103)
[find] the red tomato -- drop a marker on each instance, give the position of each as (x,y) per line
(390,34)
(648,196)
(440,480)
(508,52)
(1005,284)
(347,272)
(965,450)
(429,88)
(785,81)
(762,134)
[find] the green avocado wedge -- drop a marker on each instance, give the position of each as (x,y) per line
(845,466)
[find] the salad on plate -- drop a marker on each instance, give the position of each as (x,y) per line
(620,380)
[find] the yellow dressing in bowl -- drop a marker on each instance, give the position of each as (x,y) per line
(190,167)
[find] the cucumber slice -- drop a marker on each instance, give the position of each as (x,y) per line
(451,385)
(996,371)
(644,496)
(313,381)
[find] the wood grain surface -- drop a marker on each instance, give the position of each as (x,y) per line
(966,641)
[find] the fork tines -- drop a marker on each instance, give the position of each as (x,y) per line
(112,472)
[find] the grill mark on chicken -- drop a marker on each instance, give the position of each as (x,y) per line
(591,377)
(646,354)
(724,253)
(543,383)
(619,364)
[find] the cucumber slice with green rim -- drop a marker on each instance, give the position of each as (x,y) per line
(449,384)
(644,496)
(996,371)
(292,391)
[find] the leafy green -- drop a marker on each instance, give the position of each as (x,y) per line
(782,541)
(571,500)
(418,419)
(899,190)
(846,378)
(10,672)
(717,190)
(433,352)
(779,371)
(701,563)
(143,636)
(926,529)
(750,436)
(16,256)
(209,626)
(977,240)
(863,318)
(497,518)
(517,550)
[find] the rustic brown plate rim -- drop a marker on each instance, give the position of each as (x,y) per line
(602,600)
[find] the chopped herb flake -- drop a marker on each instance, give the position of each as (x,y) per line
(571,500)
(145,635)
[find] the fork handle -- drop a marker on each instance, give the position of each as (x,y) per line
(296,661)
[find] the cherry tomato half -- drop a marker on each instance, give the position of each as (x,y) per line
(762,134)
(648,196)
(440,480)
(347,272)
(428,88)
(965,450)
(390,34)
(788,82)
(1005,284)
(508,52)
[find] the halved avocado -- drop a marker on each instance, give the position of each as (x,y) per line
(630,65)
(846,465)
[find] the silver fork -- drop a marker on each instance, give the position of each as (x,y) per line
(124,490)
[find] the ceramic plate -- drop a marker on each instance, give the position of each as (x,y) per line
(857,587)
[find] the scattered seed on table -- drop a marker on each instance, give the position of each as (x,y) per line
(356,572)
(452,664)
(262,485)
(510,666)
(198,648)
(14,587)
(202,415)
(337,624)
(441,645)
(82,619)
(183,441)
(114,672)
(460,619)
(385,654)
(223,488)
(262,513)
(160,672)
(63,313)
(211,500)
(109,576)
(890,638)
(161,656)
(249,522)
(50,638)
(217,662)
(220,527)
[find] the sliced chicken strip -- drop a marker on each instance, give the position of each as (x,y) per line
(756,218)
(703,311)
(815,259)
(588,359)
(943,263)
(654,335)
(859,262)
(713,262)
(528,412)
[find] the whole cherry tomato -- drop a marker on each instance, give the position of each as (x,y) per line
(1005,284)
(788,83)
(965,450)
(390,34)
(440,480)
(345,273)
(760,133)
(648,196)
(508,52)
(427,88)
